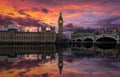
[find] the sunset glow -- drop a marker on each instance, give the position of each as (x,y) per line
(77,12)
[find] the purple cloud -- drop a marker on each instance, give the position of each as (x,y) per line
(21,12)
(44,10)
(108,21)
(21,21)
(35,9)
(70,27)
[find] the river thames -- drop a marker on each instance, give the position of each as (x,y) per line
(41,60)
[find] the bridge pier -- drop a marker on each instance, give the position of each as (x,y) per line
(118,39)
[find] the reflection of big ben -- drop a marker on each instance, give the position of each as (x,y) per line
(60,60)
(60,26)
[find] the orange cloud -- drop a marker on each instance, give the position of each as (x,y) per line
(48,11)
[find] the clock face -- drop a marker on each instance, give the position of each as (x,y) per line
(60,21)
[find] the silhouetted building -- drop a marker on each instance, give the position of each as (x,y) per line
(12,34)
(60,27)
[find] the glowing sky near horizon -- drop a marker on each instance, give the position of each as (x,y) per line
(27,13)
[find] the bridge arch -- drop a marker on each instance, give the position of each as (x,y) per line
(113,37)
(79,40)
(88,37)
(73,41)
(88,40)
(106,39)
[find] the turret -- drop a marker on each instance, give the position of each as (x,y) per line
(43,29)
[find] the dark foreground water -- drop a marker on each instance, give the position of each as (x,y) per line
(59,61)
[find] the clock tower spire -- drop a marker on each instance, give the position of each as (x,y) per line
(60,26)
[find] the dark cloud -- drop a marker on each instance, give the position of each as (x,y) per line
(21,74)
(67,2)
(21,21)
(69,27)
(22,12)
(35,76)
(44,10)
(108,20)
(45,75)
(27,21)
(110,2)
(48,2)
(35,9)
(5,19)
(11,14)
(72,27)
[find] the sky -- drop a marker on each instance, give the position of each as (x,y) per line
(28,14)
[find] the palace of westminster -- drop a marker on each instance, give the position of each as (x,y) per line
(12,34)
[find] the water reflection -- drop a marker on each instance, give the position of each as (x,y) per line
(60,60)
(25,60)
(14,57)
(95,51)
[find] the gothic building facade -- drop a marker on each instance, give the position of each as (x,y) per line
(12,34)
(60,27)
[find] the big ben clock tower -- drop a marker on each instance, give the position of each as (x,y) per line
(60,27)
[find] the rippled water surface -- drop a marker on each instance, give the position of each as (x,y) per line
(55,61)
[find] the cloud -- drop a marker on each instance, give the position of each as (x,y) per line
(11,14)
(5,19)
(44,10)
(69,27)
(35,76)
(108,20)
(35,9)
(73,10)
(45,75)
(27,21)
(22,12)
(21,74)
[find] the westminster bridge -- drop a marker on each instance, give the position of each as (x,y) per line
(82,50)
(95,38)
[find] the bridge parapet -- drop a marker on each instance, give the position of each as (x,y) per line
(94,37)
